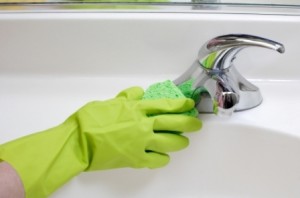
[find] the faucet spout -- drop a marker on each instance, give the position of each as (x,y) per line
(213,92)
(221,96)
(217,85)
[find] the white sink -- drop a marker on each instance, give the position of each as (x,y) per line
(52,63)
(237,161)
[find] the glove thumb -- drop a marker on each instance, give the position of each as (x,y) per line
(132,93)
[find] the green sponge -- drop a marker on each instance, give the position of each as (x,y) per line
(168,89)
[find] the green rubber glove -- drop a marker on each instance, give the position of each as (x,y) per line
(101,135)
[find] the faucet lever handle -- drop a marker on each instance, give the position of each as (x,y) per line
(219,52)
(225,89)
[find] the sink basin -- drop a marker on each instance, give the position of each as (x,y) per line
(253,154)
(237,161)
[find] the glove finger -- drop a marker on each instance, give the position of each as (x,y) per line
(156,160)
(182,123)
(132,93)
(167,142)
(167,105)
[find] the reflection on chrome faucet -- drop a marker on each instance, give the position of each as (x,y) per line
(226,90)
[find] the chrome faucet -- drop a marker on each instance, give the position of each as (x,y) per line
(217,86)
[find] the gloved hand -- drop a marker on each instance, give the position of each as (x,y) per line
(101,135)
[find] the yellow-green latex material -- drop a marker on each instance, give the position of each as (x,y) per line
(101,135)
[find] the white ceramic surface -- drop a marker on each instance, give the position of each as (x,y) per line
(51,64)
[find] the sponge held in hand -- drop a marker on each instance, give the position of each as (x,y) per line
(168,89)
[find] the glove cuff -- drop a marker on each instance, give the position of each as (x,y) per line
(48,159)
